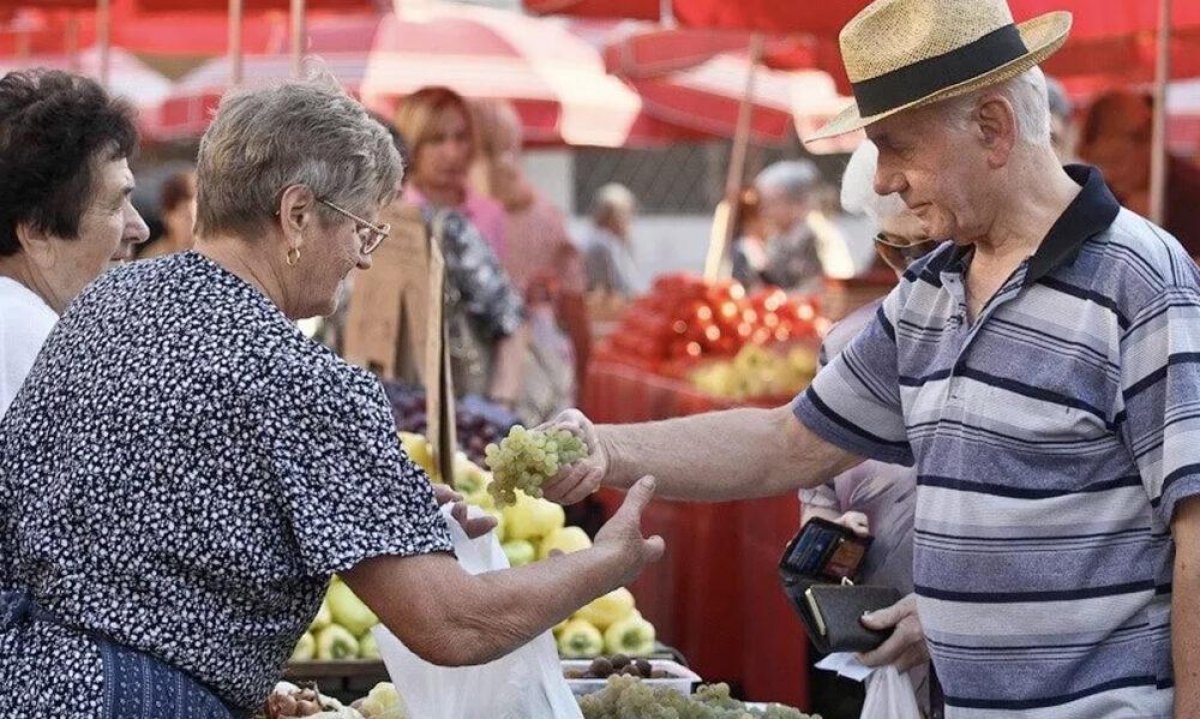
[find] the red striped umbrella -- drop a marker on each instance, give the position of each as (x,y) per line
(555,80)
(339,42)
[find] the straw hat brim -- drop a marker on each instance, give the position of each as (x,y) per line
(1043,35)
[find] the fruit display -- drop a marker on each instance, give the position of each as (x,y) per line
(758,372)
(627,697)
(341,629)
(610,624)
(289,701)
(526,458)
(605,667)
(477,421)
(384,702)
(685,319)
(529,530)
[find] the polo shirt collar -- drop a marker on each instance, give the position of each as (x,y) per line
(1091,212)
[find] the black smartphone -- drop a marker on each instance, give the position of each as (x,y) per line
(823,549)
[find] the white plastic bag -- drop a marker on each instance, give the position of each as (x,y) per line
(527,684)
(890,695)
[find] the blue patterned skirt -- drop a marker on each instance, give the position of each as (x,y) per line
(136,685)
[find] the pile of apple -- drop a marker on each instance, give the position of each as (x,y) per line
(341,629)
(529,531)
(685,318)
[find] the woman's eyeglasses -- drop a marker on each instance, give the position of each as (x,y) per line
(908,250)
(372,236)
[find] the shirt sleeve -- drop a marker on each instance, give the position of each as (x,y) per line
(822,496)
(1159,412)
(854,402)
(348,489)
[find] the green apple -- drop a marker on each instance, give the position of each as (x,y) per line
(632,636)
(349,611)
(565,540)
(519,552)
(469,478)
(533,518)
(580,640)
(368,648)
(336,642)
(608,609)
(323,619)
(305,649)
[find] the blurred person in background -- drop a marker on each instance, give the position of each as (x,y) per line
(1063,132)
(748,252)
(608,244)
(875,497)
(1116,137)
(542,261)
(65,209)
(485,314)
(184,471)
(177,212)
(440,129)
(792,262)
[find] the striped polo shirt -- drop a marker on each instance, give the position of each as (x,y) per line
(1053,437)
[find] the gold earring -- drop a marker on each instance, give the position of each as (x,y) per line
(293,256)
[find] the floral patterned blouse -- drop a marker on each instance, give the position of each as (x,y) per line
(181,473)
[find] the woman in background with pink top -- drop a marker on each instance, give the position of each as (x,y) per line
(438,124)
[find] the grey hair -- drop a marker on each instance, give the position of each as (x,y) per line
(1030,100)
(1060,104)
(858,187)
(306,132)
(611,199)
(795,178)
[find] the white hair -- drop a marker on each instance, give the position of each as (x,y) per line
(611,199)
(1029,97)
(858,187)
(795,178)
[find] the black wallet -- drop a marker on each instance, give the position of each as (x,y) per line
(817,570)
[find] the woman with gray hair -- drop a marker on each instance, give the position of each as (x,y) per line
(186,471)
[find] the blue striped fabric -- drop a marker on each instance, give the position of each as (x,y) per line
(1053,438)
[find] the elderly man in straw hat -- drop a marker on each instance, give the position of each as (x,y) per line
(1042,371)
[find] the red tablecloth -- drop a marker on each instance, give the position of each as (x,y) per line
(716,594)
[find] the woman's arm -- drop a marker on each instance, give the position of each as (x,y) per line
(451,618)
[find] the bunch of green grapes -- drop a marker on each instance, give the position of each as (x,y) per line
(527,458)
(626,697)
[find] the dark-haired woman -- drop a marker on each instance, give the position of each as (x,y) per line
(65,211)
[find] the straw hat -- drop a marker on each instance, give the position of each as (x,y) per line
(902,54)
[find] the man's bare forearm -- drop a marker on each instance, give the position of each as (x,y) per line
(735,454)
(1185,608)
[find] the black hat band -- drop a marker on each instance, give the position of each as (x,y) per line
(915,82)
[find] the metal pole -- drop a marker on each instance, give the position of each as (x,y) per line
(726,218)
(235,42)
(297,36)
(1162,76)
(103,37)
(73,43)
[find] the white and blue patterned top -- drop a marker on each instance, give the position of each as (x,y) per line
(182,472)
(1053,438)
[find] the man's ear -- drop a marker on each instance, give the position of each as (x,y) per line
(996,125)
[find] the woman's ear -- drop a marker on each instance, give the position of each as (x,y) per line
(38,245)
(297,212)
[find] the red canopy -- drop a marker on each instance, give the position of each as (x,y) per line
(251,6)
(555,80)
(1111,42)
